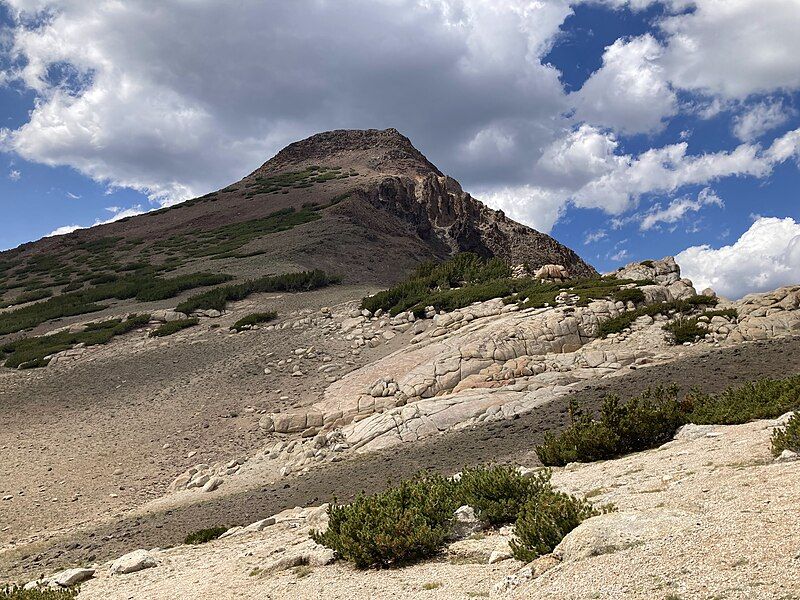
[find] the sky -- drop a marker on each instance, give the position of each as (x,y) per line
(627,129)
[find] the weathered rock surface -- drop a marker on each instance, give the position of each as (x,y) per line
(133,562)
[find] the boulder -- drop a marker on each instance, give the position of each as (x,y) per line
(465,523)
(72,577)
(615,531)
(132,562)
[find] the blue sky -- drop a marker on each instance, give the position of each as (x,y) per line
(628,129)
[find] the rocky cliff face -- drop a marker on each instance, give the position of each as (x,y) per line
(398,179)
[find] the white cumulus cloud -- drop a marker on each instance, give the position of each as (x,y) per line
(766,256)
(629,93)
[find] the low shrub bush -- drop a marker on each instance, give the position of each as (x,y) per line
(174,327)
(544,521)
(218,297)
(33,352)
(762,399)
(254,319)
(402,525)
(498,493)
(685,329)
(645,421)
(624,320)
(414,520)
(204,535)
(15,592)
(787,438)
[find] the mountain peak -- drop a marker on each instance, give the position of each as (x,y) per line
(382,150)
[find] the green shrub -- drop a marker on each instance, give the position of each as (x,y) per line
(87,300)
(399,526)
(629,295)
(762,399)
(204,535)
(30,296)
(174,327)
(688,329)
(33,352)
(14,592)
(624,320)
(254,319)
(645,421)
(217,298)
(647,263)
(498,493)
(787,438)
(544,521)
(683,330)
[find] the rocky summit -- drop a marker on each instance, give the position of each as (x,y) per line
(344,362)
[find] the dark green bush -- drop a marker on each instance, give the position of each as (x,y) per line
(624,320)
(174,327)
(685,329)
(402,525)
(787,438)
(544,521)
(32,352)
(254,319)
(762,399)
(204,535)
(629,295)
(30,296)
(15,592)
(218,297)
(498,493)
(414,520)
(87,300)
(647,263)
(645,421)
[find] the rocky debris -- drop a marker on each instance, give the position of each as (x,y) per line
(133,562)
(615,531)
(530,571)
(206,477)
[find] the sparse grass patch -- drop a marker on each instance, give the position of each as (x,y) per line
(787,438)
(174,327)
(433,585)
(30,296)
(254,319)
(204,535)
(645,421)
(301,571)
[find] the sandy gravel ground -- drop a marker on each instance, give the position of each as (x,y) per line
(504,441)
(741,541)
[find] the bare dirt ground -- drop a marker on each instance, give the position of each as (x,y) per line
(88,469)
(89,439)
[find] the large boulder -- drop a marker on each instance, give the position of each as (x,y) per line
(133,562)
(615,531)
